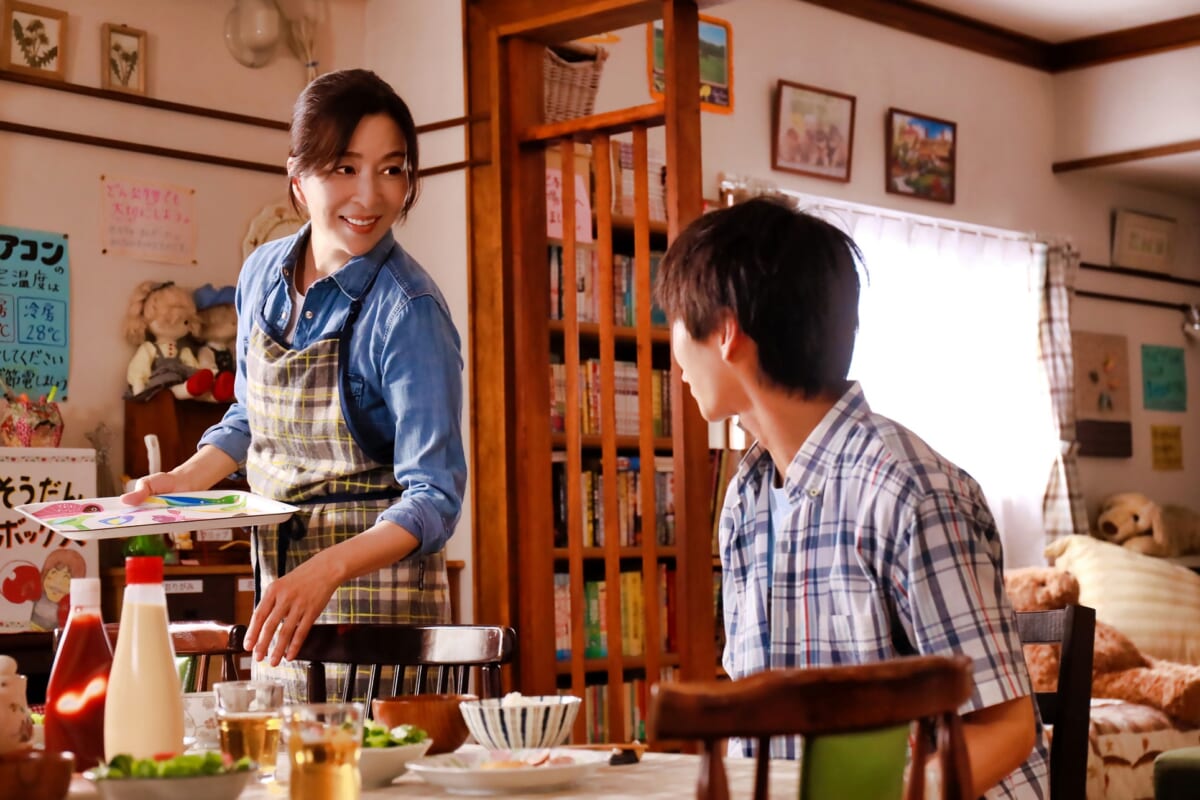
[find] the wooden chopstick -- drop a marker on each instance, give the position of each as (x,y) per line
(637,747)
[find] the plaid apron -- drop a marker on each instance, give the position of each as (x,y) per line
(303,452)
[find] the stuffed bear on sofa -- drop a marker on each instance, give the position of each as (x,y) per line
(1119,669)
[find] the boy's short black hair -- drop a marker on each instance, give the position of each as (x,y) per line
(789,278)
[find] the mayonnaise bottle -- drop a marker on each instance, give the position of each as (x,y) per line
(143,715)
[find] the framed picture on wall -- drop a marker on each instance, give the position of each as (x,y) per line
(812,131)
(1142,241)
(122,58)
(36,39)
(920,156)
(716,63)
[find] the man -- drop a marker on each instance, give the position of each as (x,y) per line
(844,538)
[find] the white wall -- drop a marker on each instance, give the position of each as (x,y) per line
(1011,128)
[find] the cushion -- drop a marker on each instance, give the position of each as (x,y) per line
(1152,601)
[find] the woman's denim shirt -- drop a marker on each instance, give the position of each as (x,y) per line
(405,370)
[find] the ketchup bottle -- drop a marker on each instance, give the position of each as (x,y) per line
(79,680)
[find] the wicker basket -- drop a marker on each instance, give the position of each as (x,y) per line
(571,77)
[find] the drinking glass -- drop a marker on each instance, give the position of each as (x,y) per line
(249,718)
(324,741)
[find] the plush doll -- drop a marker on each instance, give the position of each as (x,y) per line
(1119,670)
(158,322)
(218,331)
(1133,520)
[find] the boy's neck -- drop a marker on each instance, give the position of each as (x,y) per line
(782,422)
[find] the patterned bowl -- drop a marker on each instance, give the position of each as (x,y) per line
(515,722)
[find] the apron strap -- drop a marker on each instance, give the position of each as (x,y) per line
(379,450)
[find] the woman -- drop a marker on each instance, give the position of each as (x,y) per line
(348,392)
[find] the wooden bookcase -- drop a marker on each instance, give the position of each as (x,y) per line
(513,337)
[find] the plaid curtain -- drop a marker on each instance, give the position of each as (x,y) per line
(1062,506)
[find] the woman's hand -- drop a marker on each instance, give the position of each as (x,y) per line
(157,483)
(289,607)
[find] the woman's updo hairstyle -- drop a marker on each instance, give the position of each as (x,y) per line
(328,111)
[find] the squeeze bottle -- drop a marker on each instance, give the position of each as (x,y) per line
(78,685)
(144,713)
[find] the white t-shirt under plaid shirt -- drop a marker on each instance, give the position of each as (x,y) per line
(888,550)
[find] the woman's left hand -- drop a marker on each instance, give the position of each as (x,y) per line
(289,607)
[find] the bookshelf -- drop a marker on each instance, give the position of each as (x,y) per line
(589,431)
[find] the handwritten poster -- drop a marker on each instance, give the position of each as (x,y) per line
(34,311)
(1166,445)
(1102,395)
(36,565)
(148,221)
(1164,380)
(554,206)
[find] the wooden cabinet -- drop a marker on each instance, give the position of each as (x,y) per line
(223,592)
(549,522)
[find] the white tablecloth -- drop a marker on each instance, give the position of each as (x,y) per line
(658,775)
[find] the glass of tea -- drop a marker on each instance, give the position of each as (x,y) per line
(324,741)
(249,719)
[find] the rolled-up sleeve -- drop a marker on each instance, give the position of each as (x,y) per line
(232,434)
(421,367)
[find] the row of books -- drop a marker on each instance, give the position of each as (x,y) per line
(636,698)
(626,396)
(633,614)
(587,285)
(623,180)
(631,517)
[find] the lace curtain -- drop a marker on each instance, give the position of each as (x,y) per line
(948,346)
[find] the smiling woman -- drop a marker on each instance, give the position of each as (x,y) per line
(341,337)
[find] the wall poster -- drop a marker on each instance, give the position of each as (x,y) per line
(1102,395)
(36,565)
(148,221)
(34,311)
(1164,378)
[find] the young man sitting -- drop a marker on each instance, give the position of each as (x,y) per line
(844,538)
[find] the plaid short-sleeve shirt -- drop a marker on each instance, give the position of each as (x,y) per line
(889,550)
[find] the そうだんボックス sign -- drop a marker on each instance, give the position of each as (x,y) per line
(36,564)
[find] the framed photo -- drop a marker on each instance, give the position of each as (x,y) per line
(920,156)
(36,39)
(812,131)
(716,63)
(1142,241)
(122,58)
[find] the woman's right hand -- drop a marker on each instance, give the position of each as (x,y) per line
(156,483)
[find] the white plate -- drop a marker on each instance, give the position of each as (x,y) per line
(226,786)
(379,766)
(108,518)
(461,773)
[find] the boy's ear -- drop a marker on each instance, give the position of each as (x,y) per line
(731,338)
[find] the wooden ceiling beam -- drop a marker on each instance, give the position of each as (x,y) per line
(972,34)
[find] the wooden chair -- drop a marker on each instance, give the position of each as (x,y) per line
(1067,709)
(449,652)
(824,705)
(203,641)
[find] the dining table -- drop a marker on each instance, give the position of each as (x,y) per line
(656,775)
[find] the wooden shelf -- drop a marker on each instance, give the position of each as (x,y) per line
(627,663)
(1139,273)
(594,441)
(621,333)
(628,551)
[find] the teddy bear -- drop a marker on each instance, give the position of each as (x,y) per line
(218,332)
(1119,670)
(160,318)
(1133,520)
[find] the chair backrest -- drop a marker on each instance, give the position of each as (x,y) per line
(200,640)
(825,704)
(1067,709)
(444,653)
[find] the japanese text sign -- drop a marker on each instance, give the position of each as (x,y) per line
(148,221)
(36,564)
(34,311)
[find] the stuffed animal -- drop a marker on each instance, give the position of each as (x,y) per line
(1119,670)
(158,322)
(1133,520)
(218,331)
